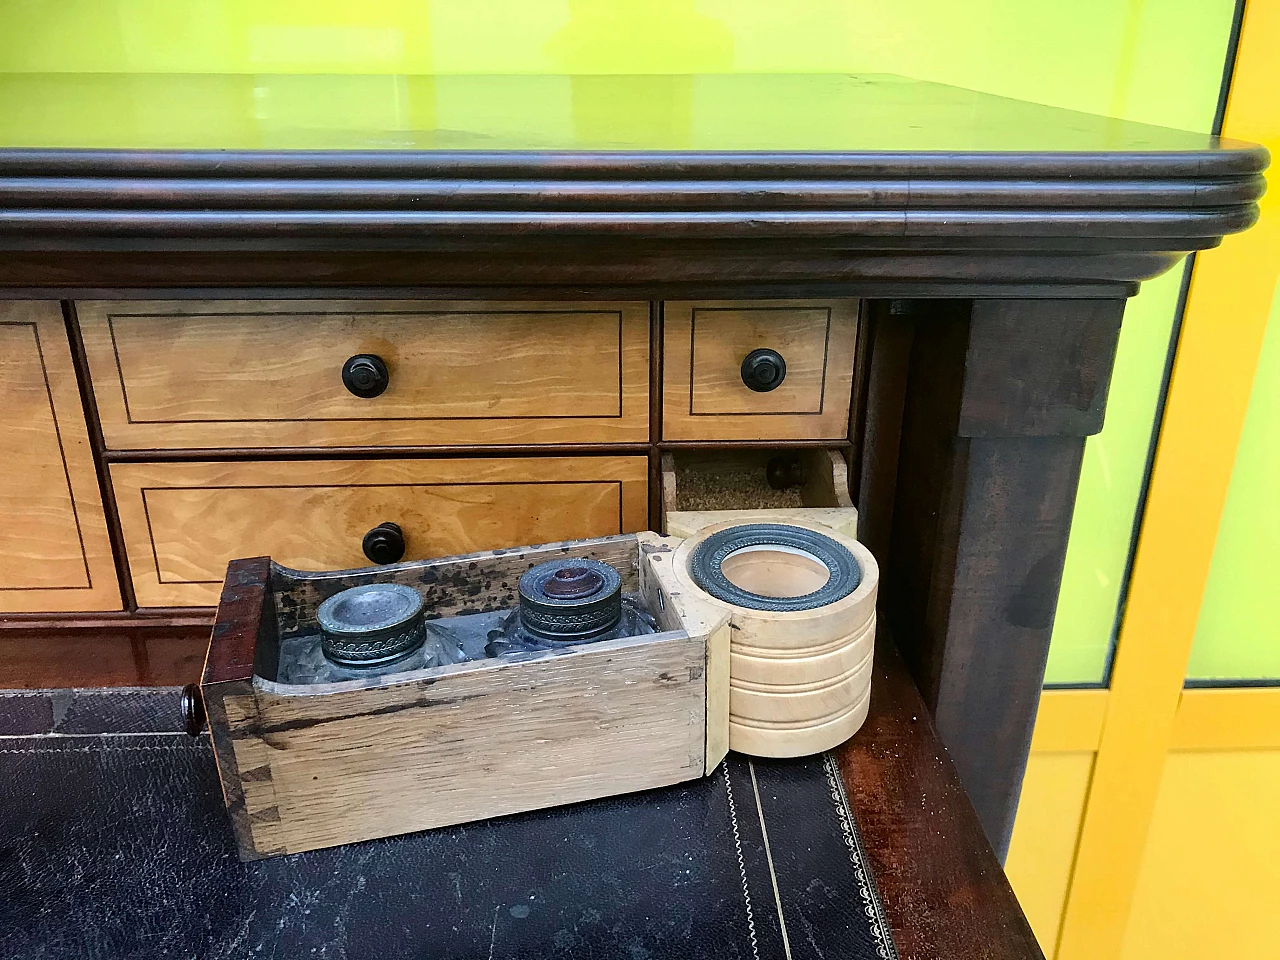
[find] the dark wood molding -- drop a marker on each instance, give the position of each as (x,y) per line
(867,224)
(154,619)
(97,444)
(536,268)
(1211,159)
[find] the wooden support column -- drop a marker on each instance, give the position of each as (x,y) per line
(1002,394)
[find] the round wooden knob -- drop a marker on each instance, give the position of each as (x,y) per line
(193,709)
(365,375)
(785,471)
(763,370)
(384,543)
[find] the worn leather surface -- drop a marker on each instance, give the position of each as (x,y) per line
(118,846)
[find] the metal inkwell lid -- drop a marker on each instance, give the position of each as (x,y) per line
(371,625)
(570,600)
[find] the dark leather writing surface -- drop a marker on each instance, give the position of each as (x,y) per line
(118,846)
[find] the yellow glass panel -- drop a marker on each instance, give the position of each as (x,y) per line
(1209,885)
(1044,838)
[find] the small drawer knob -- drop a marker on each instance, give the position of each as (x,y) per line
(785,471)
(192,704)
(384,543)
(763,370)
(365,375)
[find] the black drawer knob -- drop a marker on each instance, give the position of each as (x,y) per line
(763,370)
(384,543)
(365,375)
(193,709)
(785,471)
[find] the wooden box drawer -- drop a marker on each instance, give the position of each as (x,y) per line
(702,487)
(183,522)
(55,555)
(190,375)
(705,396)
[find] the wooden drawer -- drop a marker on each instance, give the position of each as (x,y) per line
(702,487)
(189,375)
(704,396)
(184,521)
(54,551)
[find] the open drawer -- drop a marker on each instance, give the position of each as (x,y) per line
(702,487)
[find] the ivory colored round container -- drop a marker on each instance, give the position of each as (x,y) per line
(799,679)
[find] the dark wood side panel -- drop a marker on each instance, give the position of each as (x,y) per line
(1030,373)
(890,328)
(981,522)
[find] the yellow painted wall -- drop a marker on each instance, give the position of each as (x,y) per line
(1210,879)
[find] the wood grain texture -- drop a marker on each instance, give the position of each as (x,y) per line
(322,767)
(55,554)
(704,397)
(262,373)
(675,606)
(183,522)
(776,738)
(943,891)
(245,620)
(125,652)
(1035,370)
(305,766)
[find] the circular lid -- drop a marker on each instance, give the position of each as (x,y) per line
(826,567)
(573,582)
(371,608)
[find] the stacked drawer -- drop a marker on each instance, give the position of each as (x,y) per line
(331,433)
(276,386)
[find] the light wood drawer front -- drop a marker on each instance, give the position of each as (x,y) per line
(184,521)
(54,551)
(705,396)
(189,375)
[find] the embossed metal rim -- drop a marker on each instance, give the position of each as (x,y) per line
(570,619)
(844,572)
(376,642)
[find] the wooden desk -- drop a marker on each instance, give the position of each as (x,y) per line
(942,889)
(560,304)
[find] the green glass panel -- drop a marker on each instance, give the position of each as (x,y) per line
(1238,633)
(1111,483)
(790,112)
(1153,61)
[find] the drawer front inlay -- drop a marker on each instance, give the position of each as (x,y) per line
(183,375)
(708,394)
(183,522)
(54,550)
